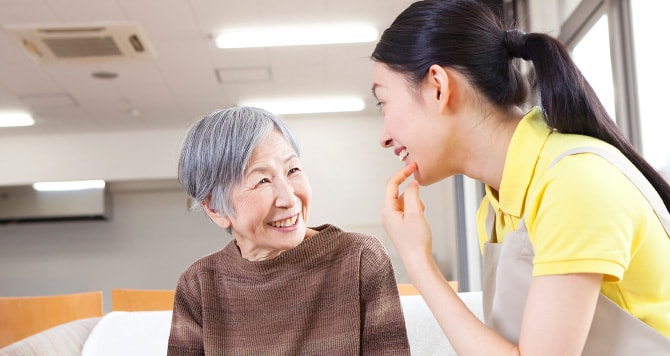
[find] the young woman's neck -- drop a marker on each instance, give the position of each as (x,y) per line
(489,149)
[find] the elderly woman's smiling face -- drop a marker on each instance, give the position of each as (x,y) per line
(271,203)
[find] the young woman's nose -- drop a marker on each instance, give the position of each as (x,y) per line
(385,141)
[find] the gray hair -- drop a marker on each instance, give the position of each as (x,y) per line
(217,149)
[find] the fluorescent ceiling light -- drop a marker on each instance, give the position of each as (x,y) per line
(12,119)
(308,105)
(296,35)
(68,185)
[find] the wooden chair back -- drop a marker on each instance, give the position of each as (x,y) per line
(142,299)
(21,317)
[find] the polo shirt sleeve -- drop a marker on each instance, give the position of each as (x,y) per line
(585,217)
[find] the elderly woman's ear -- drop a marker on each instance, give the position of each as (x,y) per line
(217,217)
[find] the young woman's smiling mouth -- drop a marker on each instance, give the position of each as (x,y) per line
(402,153)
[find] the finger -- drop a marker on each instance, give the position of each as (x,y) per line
(396,180)
(412,199)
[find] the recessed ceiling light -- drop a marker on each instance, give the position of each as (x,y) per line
(308,105)
(12,119)
(68,185)
(296,35)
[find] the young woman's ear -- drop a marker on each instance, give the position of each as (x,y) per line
(438,86)
(218,217)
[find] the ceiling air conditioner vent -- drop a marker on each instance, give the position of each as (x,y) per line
(90,43)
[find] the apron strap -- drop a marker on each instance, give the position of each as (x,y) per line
(633,174)
(490,224)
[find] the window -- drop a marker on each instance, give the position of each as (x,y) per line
(651,51)
(592,56)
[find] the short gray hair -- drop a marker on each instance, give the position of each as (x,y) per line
(217,149)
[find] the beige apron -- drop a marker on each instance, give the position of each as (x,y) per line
(508,270)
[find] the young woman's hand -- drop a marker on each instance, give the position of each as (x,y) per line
(403,217)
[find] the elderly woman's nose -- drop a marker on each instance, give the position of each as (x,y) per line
(285,194)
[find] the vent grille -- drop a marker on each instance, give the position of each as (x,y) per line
(99,42)
(83,47)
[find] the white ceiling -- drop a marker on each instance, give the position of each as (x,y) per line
(181,84)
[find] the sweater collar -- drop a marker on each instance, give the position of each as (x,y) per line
(306,255)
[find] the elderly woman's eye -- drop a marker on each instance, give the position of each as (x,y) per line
(264,180)
(293,170)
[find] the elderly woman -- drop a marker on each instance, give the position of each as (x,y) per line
(279,287)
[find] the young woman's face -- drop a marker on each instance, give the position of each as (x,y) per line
(411,125)
(272,203)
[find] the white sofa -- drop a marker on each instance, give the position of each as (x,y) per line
(146,333)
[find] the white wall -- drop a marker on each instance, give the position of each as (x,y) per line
(148,242)
(152,237)
(116,156)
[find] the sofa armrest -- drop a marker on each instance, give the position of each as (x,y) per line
(66,339)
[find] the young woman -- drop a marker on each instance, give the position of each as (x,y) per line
(574,225)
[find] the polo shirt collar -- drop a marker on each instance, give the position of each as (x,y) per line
(522,156)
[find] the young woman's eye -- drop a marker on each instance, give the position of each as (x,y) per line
(380,104)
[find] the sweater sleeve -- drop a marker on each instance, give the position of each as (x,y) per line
(186,336)
(382,323)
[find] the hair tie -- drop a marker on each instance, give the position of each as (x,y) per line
(515,42)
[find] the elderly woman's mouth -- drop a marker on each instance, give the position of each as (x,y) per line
(285,222)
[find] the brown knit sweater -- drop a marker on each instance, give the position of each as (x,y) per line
(334,294)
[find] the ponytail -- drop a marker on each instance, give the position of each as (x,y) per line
(570,104)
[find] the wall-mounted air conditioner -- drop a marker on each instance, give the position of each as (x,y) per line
(82,42)
(24,204)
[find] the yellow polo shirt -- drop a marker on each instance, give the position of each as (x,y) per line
(583,216)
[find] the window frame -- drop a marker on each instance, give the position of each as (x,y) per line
(622,54)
